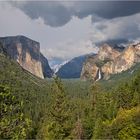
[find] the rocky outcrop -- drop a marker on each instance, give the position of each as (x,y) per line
(27,53)
(110,61)
(89,68)
(107,52)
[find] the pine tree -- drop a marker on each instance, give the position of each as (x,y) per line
(124,96)
(59,126)
(78,131)
(95,91)
(98,107)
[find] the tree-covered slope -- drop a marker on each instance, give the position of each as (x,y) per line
(68,109)
(26,87)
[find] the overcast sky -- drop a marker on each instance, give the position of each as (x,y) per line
(68,29)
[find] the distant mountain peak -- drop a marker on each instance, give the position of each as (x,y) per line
(58,66)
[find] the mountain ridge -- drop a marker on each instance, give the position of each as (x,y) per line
(72,68)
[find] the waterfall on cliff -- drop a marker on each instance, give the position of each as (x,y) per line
(99,75)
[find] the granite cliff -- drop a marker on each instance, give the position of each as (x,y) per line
(110,61)
(27,53)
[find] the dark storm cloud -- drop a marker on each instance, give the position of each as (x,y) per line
(52,13)
(59,13)
(107,9)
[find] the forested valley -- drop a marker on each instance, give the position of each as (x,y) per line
(32,108)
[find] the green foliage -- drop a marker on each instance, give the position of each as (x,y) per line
(31,90)
(13,123)
(78,131)
(59,111)
(118,112)
(58,126)
(126,125)
(68,109)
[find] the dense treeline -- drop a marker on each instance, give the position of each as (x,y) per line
(61,109)
(104,115)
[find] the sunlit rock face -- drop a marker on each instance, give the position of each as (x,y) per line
(27,53)
(110,61)
(107,52)
(90,68)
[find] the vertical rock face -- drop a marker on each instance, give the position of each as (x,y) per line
(107,52)
(110,61)
(47,71)
(27,53)
(90,69)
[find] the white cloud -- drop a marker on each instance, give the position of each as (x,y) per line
(63,42)
(69,49)
(70,40)
(123,27)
